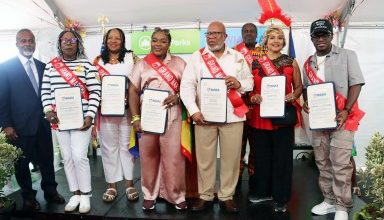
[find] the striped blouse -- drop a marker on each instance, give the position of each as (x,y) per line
(85,71)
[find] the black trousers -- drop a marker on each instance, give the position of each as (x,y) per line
(41,147)
(273,163)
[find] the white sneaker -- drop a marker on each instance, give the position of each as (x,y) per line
(341,215)
(74,201)
(85,205)
(323,208)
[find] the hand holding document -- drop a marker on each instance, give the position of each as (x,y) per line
(322,106)
(113,91)
(153,113)
(69,108)
(273,94)
(213,100)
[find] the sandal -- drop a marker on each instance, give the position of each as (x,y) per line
(110,195)
(132,194)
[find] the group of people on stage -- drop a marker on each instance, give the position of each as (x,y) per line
(27,104)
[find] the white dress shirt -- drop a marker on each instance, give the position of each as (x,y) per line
(24,61)
(232,62)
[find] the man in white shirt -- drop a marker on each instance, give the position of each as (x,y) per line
(238,79)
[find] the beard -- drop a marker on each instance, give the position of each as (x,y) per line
(217,47)
(27,52)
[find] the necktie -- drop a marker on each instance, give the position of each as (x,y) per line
(32,77)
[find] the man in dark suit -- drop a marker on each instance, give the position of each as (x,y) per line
(22,120)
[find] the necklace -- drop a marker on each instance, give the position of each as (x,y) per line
(318,64)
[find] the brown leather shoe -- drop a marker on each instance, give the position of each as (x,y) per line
(229,205)
(201,205)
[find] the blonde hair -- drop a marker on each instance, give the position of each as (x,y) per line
(269,31)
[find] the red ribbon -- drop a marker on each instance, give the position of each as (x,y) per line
(246,53)
(217,72)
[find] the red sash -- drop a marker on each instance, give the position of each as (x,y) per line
(217,72)
(163,71)
(102,71)
(246,53)
(268,67)
(70,77)
(355,115)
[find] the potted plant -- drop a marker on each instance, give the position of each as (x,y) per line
(372,180)
(9,154)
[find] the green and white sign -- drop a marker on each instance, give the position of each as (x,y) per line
(183,41)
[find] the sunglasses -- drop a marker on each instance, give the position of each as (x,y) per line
(72,40)
(158,29)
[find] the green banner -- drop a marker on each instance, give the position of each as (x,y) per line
(183,41)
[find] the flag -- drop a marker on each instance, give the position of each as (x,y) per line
(186,134)
(291,46)
(133,146)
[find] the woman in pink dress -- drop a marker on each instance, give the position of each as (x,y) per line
(161,160)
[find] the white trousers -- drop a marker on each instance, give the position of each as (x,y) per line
(74,146)
(114,136)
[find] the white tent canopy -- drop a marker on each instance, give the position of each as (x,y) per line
(365,33)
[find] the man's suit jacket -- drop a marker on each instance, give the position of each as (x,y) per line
(20,107)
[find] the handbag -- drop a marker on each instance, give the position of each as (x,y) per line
(289,118)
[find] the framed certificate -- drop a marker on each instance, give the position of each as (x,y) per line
(322,106)
(113,92)
(69,108)
(213,100)
(153,113)
(273,94)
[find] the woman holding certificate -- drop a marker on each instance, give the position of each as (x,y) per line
(156,114)
(273,139)
(70,94)
(114,64)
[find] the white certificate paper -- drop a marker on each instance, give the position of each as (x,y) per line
(153,113)
(273,94)
(113,91)
(69,108)
(213,100)
(322,106)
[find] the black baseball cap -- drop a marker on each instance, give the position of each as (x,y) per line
(321,26)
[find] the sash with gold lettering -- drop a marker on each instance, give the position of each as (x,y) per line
(174,83)
(163,71)
(102,71)
(70,77)
(217,72)
(268,67)
(352,122)
(246,53)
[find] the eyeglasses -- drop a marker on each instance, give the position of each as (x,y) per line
(72,40)
(320,35)
(213,33)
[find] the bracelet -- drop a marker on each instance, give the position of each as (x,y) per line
(135,118)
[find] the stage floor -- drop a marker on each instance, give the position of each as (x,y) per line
(305,194)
